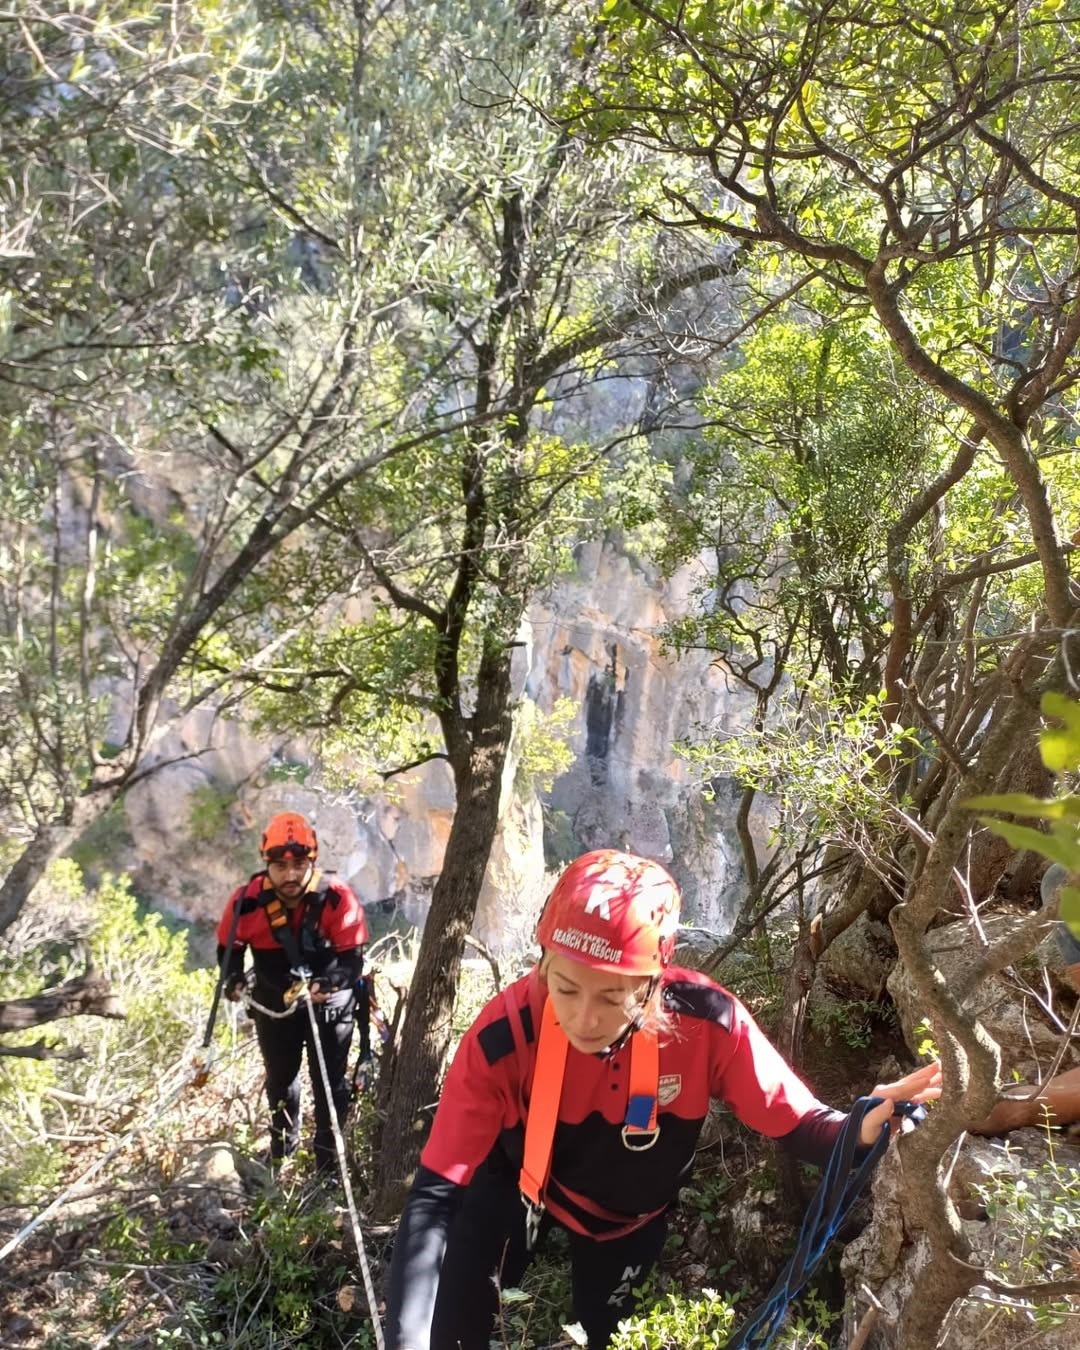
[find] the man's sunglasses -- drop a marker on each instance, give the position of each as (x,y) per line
(283,851)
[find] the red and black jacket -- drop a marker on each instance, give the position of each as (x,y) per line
(713,1050)
(326,932)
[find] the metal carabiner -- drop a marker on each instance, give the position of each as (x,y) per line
(534,1213)
(298,987)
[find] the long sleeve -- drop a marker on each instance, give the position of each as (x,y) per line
(344,926)
(341,970)
(813,1138)
(417,1261)
(230,959)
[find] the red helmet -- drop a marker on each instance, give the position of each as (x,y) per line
(289,833)
(612,911)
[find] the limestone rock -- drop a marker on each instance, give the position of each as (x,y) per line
(883,1260)
(597,637)
(861,958)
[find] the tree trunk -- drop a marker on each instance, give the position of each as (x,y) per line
(989,854)
(413,1084)
(48,842)
(971,1062)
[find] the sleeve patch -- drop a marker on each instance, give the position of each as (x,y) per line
(701,1000)
(496,1040)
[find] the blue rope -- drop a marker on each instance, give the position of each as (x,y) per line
(841,1185)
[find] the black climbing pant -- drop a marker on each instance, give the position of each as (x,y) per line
(282,1042)
(486,1251)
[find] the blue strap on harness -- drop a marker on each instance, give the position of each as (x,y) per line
(841,1185)
(639,1112)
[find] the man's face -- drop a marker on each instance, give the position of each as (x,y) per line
(289,875)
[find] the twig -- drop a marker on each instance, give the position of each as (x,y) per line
(157,1289)
(1061,1052)
(115,1331)
(488,956)
(865,1327)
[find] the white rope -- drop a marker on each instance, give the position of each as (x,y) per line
(343,1168)
(250,1003)
(197,1068)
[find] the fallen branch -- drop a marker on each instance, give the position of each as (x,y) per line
(43,1050)
(89,995)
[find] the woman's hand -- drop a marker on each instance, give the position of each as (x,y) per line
(924,1085)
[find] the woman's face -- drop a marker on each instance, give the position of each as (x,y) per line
(593,1007)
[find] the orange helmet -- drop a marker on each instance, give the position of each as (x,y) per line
(288,833)
(612,911)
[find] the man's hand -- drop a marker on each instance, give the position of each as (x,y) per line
(924,1085)
(235,988)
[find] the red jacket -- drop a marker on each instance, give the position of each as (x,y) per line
(328,929)
(597,1185)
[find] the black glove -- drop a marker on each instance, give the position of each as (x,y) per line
(236,986)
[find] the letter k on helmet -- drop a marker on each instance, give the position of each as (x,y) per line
(597,904)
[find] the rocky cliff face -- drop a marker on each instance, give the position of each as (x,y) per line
(190,831)
(597,639)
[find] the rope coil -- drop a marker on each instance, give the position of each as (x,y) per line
(842,1182)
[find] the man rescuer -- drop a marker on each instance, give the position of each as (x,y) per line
(294,917)
(581,1090)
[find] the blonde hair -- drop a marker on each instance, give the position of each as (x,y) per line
(647,1003)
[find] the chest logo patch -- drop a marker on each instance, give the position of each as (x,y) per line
(668,1088)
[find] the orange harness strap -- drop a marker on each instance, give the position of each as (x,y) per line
(543,1107)
(639,1123)
(639,1131)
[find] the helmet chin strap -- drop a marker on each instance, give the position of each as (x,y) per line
(635,1024)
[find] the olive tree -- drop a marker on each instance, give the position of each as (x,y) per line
(915,169)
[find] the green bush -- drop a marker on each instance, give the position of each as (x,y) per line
(1034,1219)
(103,841)
(287,1294)
(208,813)
(851,1020)
(704,1319)
(145,963)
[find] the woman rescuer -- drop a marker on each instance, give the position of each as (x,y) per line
(576,1098)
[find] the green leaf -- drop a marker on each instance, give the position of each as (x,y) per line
(1060,746)
(1059,849)
(1069,909)
(1023,804)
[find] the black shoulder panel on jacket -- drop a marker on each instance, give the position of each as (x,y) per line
(496,1040)
(700,1000)
(251,896)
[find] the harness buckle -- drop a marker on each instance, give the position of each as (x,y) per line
(645,1143)
(534,1213)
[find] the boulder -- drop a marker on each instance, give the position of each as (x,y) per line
(861,959)
(1008,1239)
